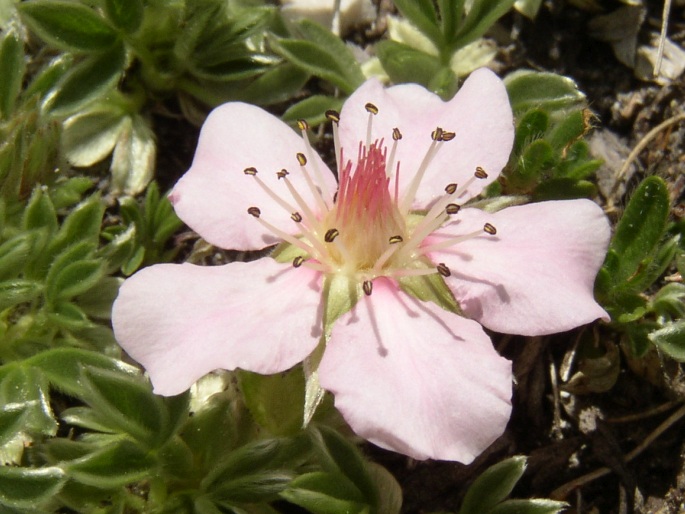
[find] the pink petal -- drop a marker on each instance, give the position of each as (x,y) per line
(214,195)
(413,378)
(536,275)
(479,114)
(181,321)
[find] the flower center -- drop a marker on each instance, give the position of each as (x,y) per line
(367,230)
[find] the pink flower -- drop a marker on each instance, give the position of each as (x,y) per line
(371,279)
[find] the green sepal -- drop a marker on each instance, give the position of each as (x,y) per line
(285,253)
(340,294)
(431,288)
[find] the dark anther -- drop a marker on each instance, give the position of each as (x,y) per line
(452,208)
(396,134)
(282,174)
(371,108)
(302,124)
(436,135)
(250,171)
(450,188)
(335,197)
(447,136)
(301,159)
(444,270)
(367,286)
(296,217)
(254,211)
(333,115)
(331,234)
(490,229)
(395,239)
(480,173)
(297,261)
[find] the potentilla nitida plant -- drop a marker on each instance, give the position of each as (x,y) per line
(380,281)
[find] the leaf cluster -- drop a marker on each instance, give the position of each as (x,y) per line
(646,245)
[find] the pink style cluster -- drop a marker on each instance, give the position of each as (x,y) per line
(410,369)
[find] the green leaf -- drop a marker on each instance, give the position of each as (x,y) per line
(126,403)
(323,54)
(542,90)
(70,191)
(125,14)
(97,301)
(74,279)
(69,316)
(113,466)
(46,78)
(340,456)
(669,301)
(27,388)
(87,81)
(275,401)
(493,486)
(325,493)
(640,228)
(389,491)
(133,161)
(482,15)
(532,506)
(40,213)
(312,109)
(13,292)
(89,136)
(12,68)
(252,488)
(12,417)
(15,252)
(28,487)
(531,126)
(68,25)
(278,84)
(671,340)
(564,189)
(63,366)
(71,254)
(403,63)
(422,14)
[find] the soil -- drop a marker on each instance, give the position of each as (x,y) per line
(566,435)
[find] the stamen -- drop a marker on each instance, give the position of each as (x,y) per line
(367,286)
(302,160)
(297,261)
(395,239)
(480,173)
(490,229)
(331,234)
(309,216)
(250,171)
(436,135)
(333,115)
(449,242)
(282,174)
(452,208)
(396,136)
(302,125)
(450,189)
(447,136)
(254,211)
(296,217)
(443,270)
(372,110)
(314,249)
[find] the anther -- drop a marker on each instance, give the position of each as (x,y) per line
(302,124)
(395,239)
(297,261)
(450,188)
(447,136)
(282,174)
(333,115)
(396,134)
(452,208)
(250,171)
(480,173)
(367,286)
(490,229)
(436,134)
(331,234)
(254,211)
(371,108)
(296,217)
(301,159)
(443,270)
